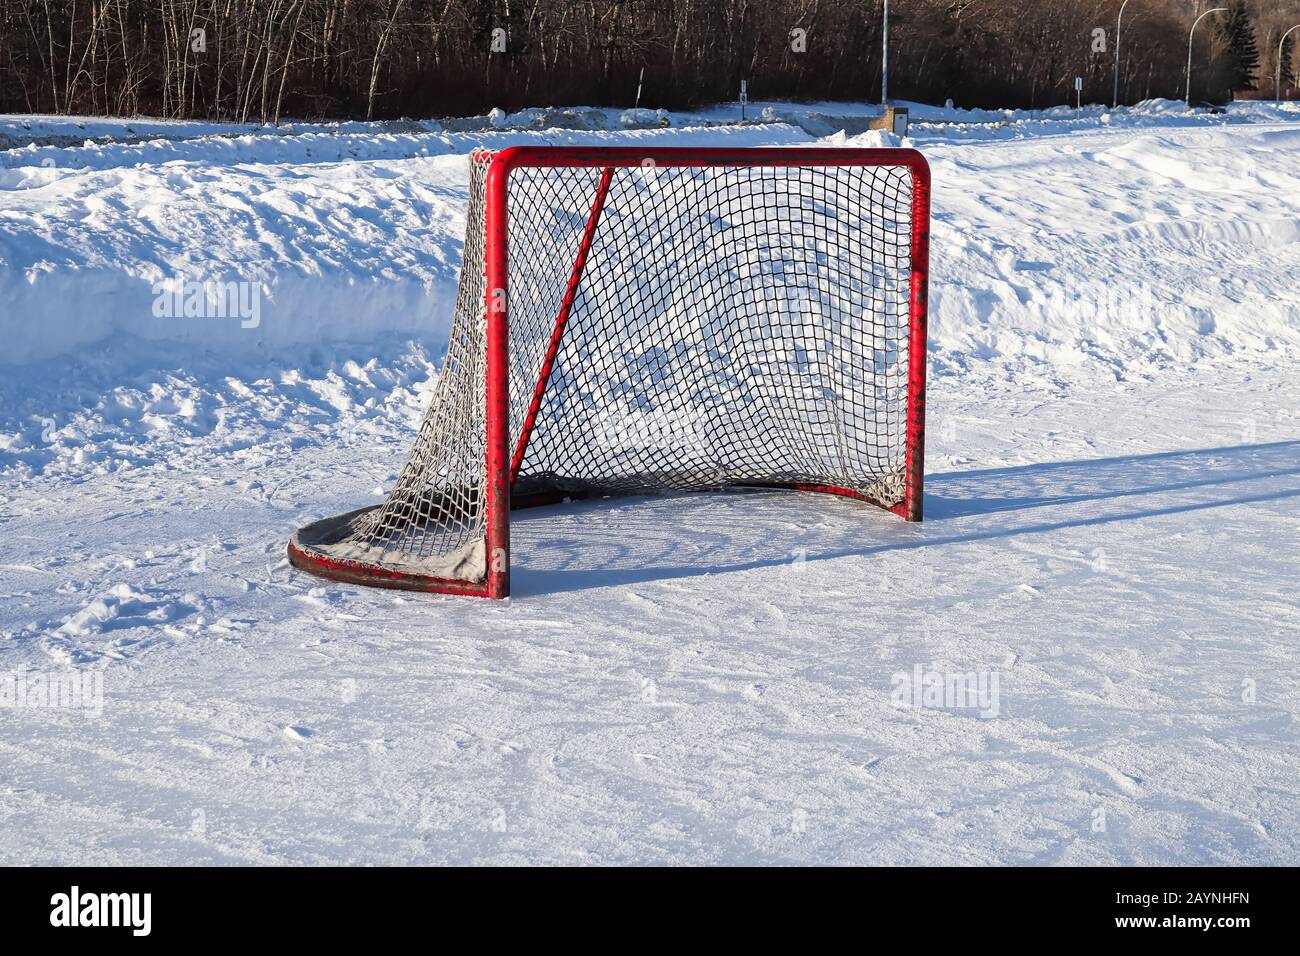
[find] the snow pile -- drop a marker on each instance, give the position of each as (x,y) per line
(1109,252)
(122,606)
(643,118)
(336,237)
(100,413)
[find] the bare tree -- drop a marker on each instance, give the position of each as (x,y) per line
(266,59)
(379,52)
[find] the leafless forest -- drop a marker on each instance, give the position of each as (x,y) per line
(260,60)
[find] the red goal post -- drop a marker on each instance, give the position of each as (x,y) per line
(389,545)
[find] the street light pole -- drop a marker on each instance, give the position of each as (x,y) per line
(1189,50)
(1119,25)
(884,61)
(1277,83)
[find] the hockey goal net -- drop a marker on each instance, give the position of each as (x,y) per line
(637,320)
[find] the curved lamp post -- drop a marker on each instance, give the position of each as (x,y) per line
(1119,25)
(1277,83)
(1188,98)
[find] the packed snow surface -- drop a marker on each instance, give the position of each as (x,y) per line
(1108,563)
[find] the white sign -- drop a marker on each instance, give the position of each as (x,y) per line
(1078,84)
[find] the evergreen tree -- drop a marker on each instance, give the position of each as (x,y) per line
(1241,53)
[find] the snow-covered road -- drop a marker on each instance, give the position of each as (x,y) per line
(1110,550)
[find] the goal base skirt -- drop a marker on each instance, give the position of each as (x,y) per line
(306,558)
(542,499)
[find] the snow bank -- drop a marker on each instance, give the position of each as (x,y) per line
(1066,244)
(340,236)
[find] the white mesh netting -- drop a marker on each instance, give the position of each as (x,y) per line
(732,325)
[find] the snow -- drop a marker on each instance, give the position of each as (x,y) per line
(1110,545)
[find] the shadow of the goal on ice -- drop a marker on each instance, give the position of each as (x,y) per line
(619,541)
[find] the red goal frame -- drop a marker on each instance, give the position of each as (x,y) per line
(503,462)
